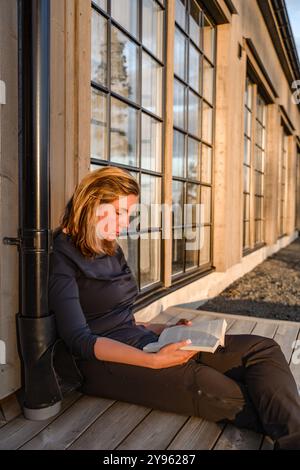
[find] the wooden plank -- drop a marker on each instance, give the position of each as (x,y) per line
(64,430)
(106,432)
(196,434)
(18,431)
(155,432)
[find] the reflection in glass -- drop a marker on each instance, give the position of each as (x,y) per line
(246,179)
(207,123)
(98,125)
(153,17)
(208,84)
(151,143)
(123,133)
(151,85)
(124,65)
(208,40)
(246,235)
(150,259)
(195,21)
(193,159)
(178,203)
(177,251)
(125,12)
(101,3)
(180,15)
(150,200)
(194,68)
(194,114)
(178,165)
(246,206)
(98,49)
(180,55)
(247,150)
(206,169)
(192,213)
(179,104)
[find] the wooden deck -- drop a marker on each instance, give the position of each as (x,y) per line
(94,423)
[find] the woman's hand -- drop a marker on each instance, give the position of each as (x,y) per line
(171,355)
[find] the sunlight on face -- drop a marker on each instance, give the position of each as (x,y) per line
(114,217)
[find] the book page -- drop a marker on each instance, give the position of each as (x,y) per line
(205,336)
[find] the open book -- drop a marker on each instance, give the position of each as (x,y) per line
(206,336)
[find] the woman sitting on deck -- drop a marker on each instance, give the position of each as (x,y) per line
(92,291)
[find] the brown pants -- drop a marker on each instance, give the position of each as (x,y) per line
(247,383)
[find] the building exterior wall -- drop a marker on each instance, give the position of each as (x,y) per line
(10,371)
(242,43)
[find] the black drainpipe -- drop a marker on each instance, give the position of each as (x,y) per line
(36,328)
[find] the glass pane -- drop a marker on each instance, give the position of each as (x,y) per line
(208,84)
(246,179)
(248,94)
(206,169)
(246,213)
(191,256)
(194,68)
(207,123)
(246,235)
(150,200)
(150,260)
(259,231)
(98,125)
(192,212)
(124,65)
(259,159)
(178,162)
(125,12)
(205,246)
(247,122)
(151,85)
(101,3)
(178,203)
(208,40)
(206,201)
(153,17)
(151,143)
(258,207)
(130,248)
(98,49)
(259,183)
(180,54)
(260,109)
(195,22)
(180,13)
(123,133)
(259,135)
(193,159)
(247,151)
(179,104)
(194,114)
(177,252)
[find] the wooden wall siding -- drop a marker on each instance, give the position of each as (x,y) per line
(9,373)
(70,99)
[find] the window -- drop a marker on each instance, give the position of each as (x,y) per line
(254,166)
(193,113)
(259,169)
(282,183)
(127,82)
(128,60)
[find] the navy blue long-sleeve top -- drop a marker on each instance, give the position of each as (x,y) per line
(92,298)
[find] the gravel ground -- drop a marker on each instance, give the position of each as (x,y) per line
(271,290)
